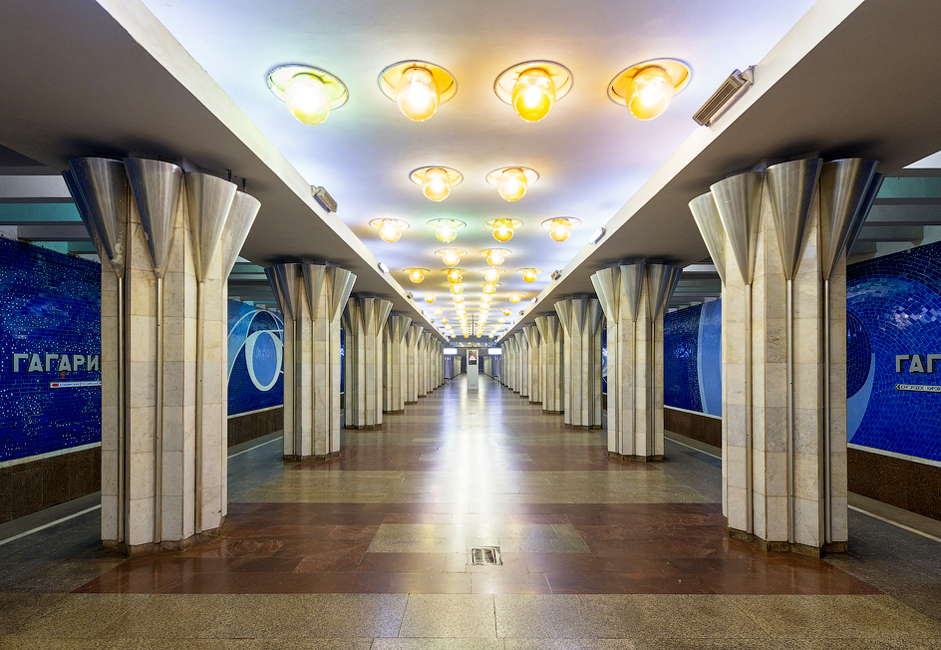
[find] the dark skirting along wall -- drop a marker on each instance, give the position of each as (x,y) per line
(912,486)
(242,428)
(698,427)
(30,487)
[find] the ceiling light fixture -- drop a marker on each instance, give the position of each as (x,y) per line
(309,93)
(560,227)
(458,300)
(389,229)
(647,88)
(506,312)
(491,274)
(450,256)
(454,275)
(725,96)
(596,236)
(529,275)
(532,88)
(457,289)
(495,256)
(416,275)
(512,182)
(515,297)
(489,288)
(438,311)
(429,298)
(446,229)
(436,181)
(503,229)
(418,87)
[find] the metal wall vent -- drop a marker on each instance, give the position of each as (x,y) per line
(721,99)
(480,555)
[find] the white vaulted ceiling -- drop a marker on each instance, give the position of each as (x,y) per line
(591,154)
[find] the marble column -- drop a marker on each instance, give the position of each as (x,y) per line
(550,363)
(163,333)
(634,299)
(412,340)
(779,240)
(531,333)
(514,345)
(312,298)
(523,342)
(421,363)
(395,364)
(581,324)
(364,321)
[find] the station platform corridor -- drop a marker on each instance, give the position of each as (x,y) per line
(373,550)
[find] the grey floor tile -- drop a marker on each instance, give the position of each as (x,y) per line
(82,616)
(438,644)
(452,615)
(539,616)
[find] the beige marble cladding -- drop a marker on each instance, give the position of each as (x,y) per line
(581,323)
(786,489)
(531,333)
(395,363)
(364,320)
(412,342)
(550,362)
(163,457)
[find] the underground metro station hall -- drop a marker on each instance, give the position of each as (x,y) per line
(470,325)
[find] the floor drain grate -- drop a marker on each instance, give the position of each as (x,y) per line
(485,555)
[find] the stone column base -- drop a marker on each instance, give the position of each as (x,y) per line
(553,412)
(657,458)
(393,412)
(787,547)
(532,402)
(583,426)
(407,403)
(167,545)
(316,457)
(369,427)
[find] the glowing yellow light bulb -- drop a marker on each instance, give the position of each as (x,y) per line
(503,230)
(559,230)
(650,93)
(436,186)
(454,276)
(533,94)
(506,312)
(446,232)
(457,289)
(458,300)
(491,275)
(495,257)
(529,275)
(501,321)
(513,184)
(489,288)
(307,98)
(515,297)
(444,321)
(467,336)
(417,94)
(438,311)
(416,275)
(389,230)
(429,298)
(451,258)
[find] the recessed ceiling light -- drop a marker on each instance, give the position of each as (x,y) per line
(503,229)
(533,87)
(495,256)
(389,229)
(560,227)
(416,275)
(436,181)
(310,93)
(446,229)
(418,87)
(647,88)
(512,182)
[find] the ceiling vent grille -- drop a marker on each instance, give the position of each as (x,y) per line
(721,99)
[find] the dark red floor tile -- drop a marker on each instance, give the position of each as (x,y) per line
(430,583)
(509,583)
(585,583)
(403,562)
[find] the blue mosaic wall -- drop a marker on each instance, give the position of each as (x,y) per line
(894,308)
(692,358)
(256,364)
(50,332)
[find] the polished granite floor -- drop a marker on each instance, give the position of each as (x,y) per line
(371,551)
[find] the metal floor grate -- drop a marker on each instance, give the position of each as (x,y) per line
(485,555)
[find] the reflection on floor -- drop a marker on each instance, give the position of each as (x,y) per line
(372,550)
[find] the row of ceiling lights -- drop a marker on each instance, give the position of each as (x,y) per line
(531,88)
(390,230)
(456,276)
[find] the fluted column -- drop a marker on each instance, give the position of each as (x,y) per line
(634,299)
(395,364)
(523,342)
(311,298)
(421,363)
(581,324)
(364,321)
(531,334)
(779,240)
(550,351)
(163,329)
(412,341)
(514,344)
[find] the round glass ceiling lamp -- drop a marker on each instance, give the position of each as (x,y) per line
(309,93)
(495,256)
(503,229)
(515,297)
(429,298)
(390,230)
(506,312)
(416,275)
(560,228)
(512,184)
(451,256)
(457,289)
(529,275)
(491,275)
(533,87)
(455,275)
(446,229)
(417,87)
(647,88)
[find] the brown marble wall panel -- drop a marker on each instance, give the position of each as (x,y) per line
(698,427)
(254,425)
(30,487)
(912,486)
